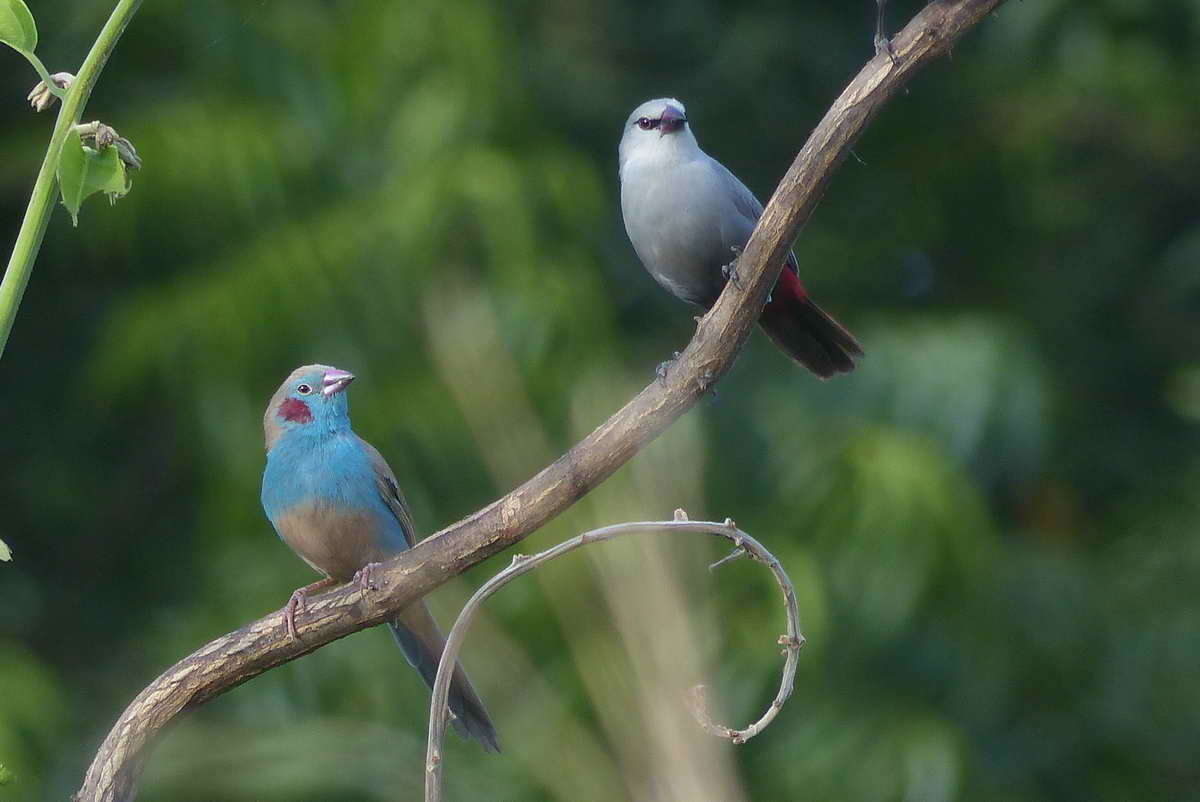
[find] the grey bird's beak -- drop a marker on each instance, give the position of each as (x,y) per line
(672,120)
(335,381)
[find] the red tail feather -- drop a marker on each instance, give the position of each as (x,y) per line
(805,332)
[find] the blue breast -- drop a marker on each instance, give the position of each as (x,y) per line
(329,470)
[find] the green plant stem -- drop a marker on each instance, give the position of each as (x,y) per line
(44,74)
(41,203)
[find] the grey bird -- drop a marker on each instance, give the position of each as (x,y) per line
(688,216)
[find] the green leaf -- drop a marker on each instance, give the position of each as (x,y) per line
(17,29)
(6,776)
(5,555)
(83,172)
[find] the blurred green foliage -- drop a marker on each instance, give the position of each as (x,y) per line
(992,524)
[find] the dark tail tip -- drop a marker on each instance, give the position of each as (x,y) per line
(808,335)
(471,719)
(472,722)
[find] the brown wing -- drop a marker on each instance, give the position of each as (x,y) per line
(417,632)
(389,489)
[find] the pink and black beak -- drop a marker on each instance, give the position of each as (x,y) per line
(672,120)
(335,381)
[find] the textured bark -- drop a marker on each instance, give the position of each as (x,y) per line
(261,645)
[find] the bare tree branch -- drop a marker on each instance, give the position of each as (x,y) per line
(261,645)
(521,565)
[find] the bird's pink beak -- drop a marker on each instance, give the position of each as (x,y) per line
(672,120)
(335,381)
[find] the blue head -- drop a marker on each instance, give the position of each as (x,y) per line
(310,402)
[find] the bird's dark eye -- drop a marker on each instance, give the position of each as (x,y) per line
(646,123)
(303,389)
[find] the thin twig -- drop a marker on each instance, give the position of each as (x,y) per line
(41,201)
(521,565)
(264,644)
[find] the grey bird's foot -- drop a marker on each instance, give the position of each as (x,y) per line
(299,601)
(664,366)
(365,577)
(729,271)
(882,43)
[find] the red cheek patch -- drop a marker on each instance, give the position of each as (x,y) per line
(295,410)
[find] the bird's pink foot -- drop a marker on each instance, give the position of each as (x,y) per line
(299,601)
(365,577)
(296,602)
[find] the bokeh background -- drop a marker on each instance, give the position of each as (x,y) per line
(992,524)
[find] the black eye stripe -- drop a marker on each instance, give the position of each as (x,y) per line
(650,123)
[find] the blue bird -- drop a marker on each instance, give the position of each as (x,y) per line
(333,499)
